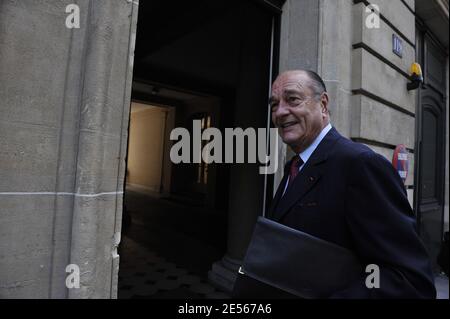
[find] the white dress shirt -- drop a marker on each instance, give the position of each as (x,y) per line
(306,154)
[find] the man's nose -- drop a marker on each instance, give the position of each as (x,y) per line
(281,110)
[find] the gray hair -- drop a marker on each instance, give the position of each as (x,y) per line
(317,84)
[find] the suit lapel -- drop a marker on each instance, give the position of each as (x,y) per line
(305,181)
(307,178)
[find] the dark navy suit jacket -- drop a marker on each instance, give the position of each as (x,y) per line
(349,195)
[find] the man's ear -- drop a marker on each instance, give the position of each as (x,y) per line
(324,102)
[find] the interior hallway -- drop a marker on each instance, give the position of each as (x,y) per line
(168,249)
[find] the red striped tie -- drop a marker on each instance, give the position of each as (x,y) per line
(295,164)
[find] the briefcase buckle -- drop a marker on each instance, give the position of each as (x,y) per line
(241,271)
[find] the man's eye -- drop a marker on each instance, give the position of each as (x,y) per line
(293,99)
(273,106)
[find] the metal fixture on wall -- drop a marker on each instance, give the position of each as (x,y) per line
(416,76)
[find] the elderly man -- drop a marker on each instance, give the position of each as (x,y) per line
(344,193)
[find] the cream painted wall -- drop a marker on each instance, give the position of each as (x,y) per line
(146,146)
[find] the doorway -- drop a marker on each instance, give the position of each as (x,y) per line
(206,61)
(431,145)
(147,168)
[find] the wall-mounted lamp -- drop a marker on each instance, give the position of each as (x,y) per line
(416,76)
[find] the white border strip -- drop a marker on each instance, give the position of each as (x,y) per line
(57,194)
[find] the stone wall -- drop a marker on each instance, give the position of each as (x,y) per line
(64,104)
(383,111)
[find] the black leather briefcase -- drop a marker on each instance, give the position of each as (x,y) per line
(282,262)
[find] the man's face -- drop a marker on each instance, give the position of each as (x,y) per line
(299,115)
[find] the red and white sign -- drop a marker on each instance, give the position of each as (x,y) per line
(400,161)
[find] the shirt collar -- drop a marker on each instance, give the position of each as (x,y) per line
(306,154)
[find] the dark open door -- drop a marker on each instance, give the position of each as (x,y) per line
(431,146)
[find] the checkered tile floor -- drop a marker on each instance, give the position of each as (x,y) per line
(144,274)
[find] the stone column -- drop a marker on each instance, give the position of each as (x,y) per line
(103,126)
(64,100)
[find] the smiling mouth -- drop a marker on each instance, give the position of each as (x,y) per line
(287,124)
